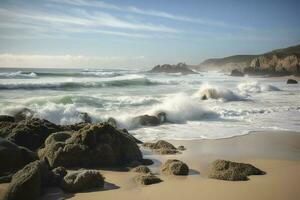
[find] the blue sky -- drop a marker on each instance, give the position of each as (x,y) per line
(137,33)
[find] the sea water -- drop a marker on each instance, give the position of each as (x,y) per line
(237,105)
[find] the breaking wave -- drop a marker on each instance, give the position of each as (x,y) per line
(212,92)
(113,82)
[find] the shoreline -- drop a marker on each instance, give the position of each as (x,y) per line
(276,152)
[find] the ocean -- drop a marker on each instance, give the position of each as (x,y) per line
(240,104)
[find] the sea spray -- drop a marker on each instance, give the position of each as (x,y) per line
(255,87)
(208,91)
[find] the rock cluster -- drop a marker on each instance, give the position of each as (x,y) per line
(179,68)
(94,145)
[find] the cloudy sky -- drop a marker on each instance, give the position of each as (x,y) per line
(140,33)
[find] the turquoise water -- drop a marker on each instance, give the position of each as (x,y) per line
(244,103)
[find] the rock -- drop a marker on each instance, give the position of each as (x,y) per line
(92,146)
(13,158)
(181,148)
(6,118)
(58,137)
(74,127)
(131,137)
(147,162)
(291,81)
(31,133)
(27,183)
(141,169)
(6,128)
(79,181)
(23,114)
(179,68)
(161,147)
(147,179)
(113,122)
(148,120)
(175,167)
(6,178)
(85,117)
(236,72)
(232,171)
(56,176)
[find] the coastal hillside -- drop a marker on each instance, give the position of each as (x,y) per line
(286,60)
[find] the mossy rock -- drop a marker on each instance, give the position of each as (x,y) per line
(141,169)
(147,179)
(161,147)
(27,183)
(175,167)
(13,157)
(79,181)
(233,171)
(92,146)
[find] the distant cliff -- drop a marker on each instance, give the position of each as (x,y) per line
(280,61)
(167,68)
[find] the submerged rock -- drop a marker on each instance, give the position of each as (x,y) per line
(232,171)
(175,167)
(291,81)
(27,183)
(85,117)
(94,145)
(161,147)
(24,113)
(179,68)
(181,148)
(147,179)
(79,181)
(236,72)
(141,169)
(13,157)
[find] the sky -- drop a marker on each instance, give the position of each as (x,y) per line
(140,33)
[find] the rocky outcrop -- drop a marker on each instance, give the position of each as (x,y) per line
(79,181)
(27,183)
(7,118)
(291,81)
(276,64)
(147,179)
(175,167)
(56,176)
(179,68)
(94,145)
(13,157)
(232,171)
(161,147)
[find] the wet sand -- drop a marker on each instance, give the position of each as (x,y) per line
(277,153)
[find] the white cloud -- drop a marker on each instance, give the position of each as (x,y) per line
(75,61)
(155,13)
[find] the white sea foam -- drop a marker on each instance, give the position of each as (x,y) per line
(18,74)
(255,87)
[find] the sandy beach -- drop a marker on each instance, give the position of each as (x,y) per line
(276,153)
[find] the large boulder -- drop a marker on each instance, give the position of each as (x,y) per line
(56,176)
(175,167)
(31,133)
(232,171)
(147,179)
(79,181)
(161,147)
(13,157)
(92,146)
(27,183)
